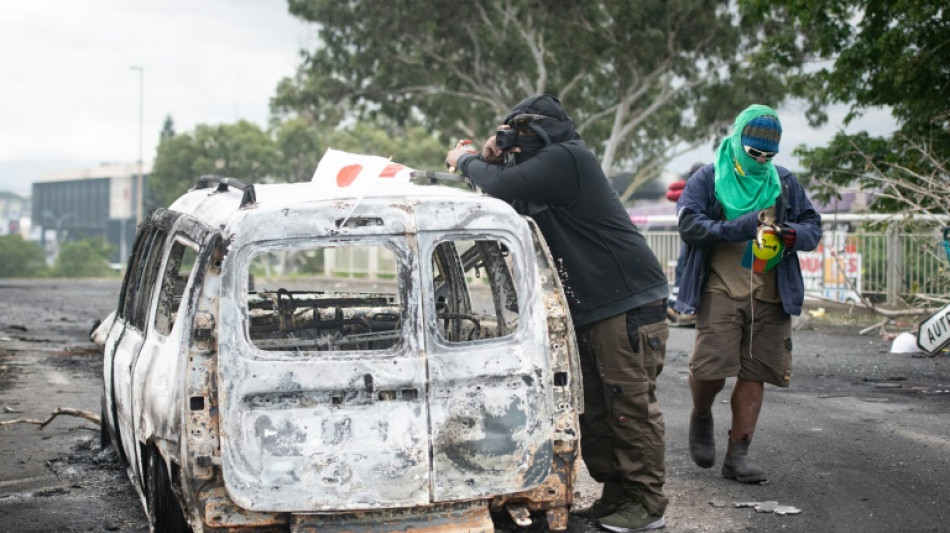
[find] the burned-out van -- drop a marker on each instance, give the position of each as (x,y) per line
(286,358)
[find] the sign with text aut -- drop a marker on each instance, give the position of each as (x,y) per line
(934,332)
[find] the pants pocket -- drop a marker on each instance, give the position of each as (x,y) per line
(648,341)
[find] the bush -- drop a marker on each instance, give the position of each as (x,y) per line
(20,258)
(82,259)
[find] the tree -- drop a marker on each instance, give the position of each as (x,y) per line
(299,145)
(873,54)
(644,80)
(82,259)
(413,145)
(20,258)
(241,150)
(168,129)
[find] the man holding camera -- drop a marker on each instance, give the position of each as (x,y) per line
(616,291)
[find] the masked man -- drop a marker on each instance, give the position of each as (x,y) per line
(743,220)
(616,291)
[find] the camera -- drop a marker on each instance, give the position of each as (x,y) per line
(505,139)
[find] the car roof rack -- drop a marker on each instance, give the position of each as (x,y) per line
(435,178)
(249,197)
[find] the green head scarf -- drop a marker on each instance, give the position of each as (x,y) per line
(742,183)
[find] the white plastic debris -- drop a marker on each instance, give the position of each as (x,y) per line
(769,507)
(905,343)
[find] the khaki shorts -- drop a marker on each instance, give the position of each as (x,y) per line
(748,339)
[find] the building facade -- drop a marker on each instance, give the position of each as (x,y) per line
(14,214)
(93,203)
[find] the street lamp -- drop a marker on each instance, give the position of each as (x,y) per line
(141,179)
(58,220)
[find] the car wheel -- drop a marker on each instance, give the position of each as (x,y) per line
(164,511)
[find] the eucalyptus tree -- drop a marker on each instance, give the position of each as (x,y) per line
(870,54)
(645,80)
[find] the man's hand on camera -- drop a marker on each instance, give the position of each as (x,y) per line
(463,147)
(490,151)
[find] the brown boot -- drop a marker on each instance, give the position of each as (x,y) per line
(608,503)
(702,440)
(738,466)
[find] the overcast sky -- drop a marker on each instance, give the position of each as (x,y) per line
(69,98)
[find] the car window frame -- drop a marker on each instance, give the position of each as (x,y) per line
(187,243)
(504,239)
(390,242)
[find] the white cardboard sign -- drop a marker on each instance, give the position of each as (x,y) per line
(934,332)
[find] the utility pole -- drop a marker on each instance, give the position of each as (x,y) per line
(141,179)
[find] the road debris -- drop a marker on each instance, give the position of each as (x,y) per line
(906,342)
(68,411)
(769,507)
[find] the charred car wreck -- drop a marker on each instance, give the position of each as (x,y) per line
(285,358)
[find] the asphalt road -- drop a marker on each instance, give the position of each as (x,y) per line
(859,442)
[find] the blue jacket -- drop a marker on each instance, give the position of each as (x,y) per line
(702,226)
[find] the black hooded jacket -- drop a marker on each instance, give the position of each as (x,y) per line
(604,262)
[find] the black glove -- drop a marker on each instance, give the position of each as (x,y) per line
(787,235)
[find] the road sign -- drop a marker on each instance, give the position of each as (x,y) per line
(934,332)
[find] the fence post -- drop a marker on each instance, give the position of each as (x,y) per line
(895,261)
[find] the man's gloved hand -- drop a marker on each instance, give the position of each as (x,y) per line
(491,153)
(452,157)
(787,235)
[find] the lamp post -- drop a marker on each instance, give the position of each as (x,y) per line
(58,220)
(140,180)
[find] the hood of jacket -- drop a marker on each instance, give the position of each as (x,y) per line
(557,128)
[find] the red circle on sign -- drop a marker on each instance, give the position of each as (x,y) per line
(347,175)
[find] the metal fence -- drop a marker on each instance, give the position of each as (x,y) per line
(885,266)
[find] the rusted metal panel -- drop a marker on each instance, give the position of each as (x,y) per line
(444,518)
(218,511)
(310,431)
(555,494)
(490,400)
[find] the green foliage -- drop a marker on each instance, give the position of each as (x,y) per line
(21,258)
(241,150)
(877,54)
(82,259)
(643,80)
(881,53)
(290,153)
(299,145)
(413,146)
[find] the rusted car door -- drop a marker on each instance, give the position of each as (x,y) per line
(156,376)
(127,336)
(322,388)
(486,349)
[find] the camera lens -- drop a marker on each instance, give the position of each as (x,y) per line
(505,139)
